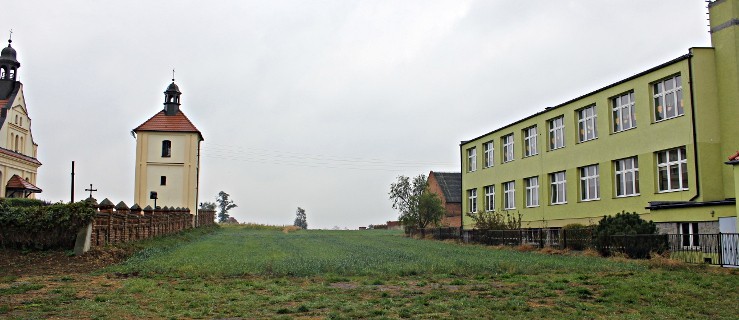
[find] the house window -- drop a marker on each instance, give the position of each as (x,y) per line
(586,124)
(627,177)
(529,142)
(471,159)
(559,185)
(163,180)
(488,148)
(672,170)
(689,234)
(472,200)
(556,133)
(532,191)
(489,198)
(624,113)
(668,99)
(509,195)
(589,183)
(508,148)
(166,149)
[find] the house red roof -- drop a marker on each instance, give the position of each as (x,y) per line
(4,102)
(19,156)
(162,122)
(16,182)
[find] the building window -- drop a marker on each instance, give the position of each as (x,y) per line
(589,183)
(472,200)
(509,195)
(508,148)
(163,180)
(490,198)
(559,185)
(689,234)
(624,113)
(586,124)
(627,177)
(471,159)
(668,99)
(166,149)
(488,148)
(532,191)
(556,133)
(672,170)
(529,142)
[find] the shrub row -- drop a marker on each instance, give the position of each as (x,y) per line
(28,223)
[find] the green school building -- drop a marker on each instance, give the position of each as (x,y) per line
(656,143)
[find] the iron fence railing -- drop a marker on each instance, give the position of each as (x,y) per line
(717,249)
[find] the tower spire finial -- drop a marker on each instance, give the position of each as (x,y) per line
(172,74)
(10,37)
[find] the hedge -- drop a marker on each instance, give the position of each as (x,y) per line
(28,223)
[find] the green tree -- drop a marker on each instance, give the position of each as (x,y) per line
(224,204)
(300,219)
(418,207)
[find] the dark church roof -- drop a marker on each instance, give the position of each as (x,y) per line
(451,184)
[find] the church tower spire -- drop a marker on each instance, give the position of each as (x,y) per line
(8,69)
(172,98)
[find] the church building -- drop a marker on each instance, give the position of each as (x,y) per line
(18,151)
(168,157)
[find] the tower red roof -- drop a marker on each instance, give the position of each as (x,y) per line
(175,123)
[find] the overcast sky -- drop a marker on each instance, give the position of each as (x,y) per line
(317,104)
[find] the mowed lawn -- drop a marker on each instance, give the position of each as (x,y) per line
(238,272)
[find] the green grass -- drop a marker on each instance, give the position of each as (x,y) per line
(248,272)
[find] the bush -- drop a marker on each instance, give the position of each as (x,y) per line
(630,234)
(492,220)
(578,236)
(32,223)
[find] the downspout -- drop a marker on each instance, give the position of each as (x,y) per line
(695,133)
(461,195)
(197,188)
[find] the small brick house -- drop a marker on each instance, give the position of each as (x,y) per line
(448,186)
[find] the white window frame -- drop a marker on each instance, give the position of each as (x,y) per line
(624,169)
(472,159)
(667,99)
(489,148)
(590,183)
(472,200)
(557,133)
(624,105)
(587,124)
(558,187)
(490,198)
(509,195)
(530,147)
(691,236)
(532,192)
(508,146)
(664,168)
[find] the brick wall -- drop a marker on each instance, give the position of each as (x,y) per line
(119,223)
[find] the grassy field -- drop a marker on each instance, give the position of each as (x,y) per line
(238,272)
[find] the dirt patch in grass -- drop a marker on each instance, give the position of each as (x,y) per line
(40,263)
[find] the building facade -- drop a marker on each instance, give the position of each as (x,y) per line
(18,151)
(168,157)
(446,185)
(654,143)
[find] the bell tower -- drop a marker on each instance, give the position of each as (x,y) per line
(8,70)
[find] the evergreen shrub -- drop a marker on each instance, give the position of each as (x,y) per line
(29,223)
(628,233)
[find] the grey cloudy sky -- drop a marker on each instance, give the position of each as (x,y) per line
(317,104)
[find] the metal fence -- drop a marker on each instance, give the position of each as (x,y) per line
(717,249)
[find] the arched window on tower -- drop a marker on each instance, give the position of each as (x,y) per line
(166,149)
(12,74)
(22,149)
(16,144)
(2,72)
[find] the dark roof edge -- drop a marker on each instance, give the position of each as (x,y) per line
(658,205)
(732,162)
(673,61)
